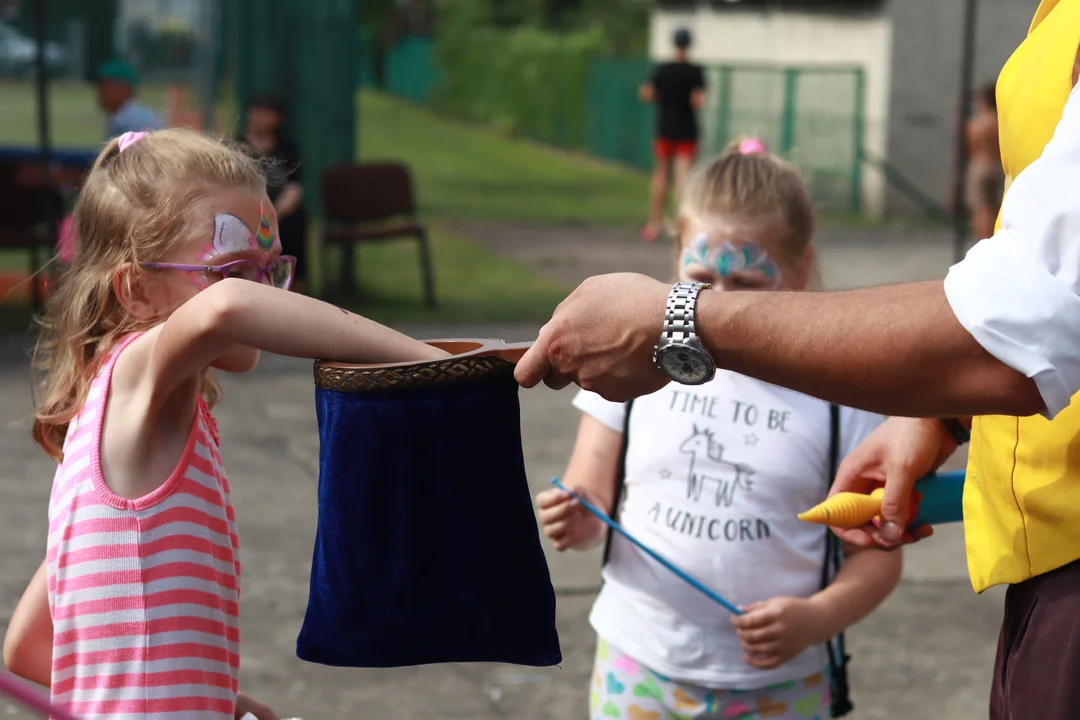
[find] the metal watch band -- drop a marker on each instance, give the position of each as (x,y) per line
(680,312)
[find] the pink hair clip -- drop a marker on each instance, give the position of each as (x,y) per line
(753,146)
(130,138)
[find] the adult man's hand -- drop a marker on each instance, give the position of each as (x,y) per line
(602,337)
(896,454)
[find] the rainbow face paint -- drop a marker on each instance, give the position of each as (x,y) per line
(729,259)
(231,234)
(265,234)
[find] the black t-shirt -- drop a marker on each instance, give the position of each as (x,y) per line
(674,84)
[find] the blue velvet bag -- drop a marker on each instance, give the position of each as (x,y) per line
(427,548)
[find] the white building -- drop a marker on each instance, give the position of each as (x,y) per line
(909,52)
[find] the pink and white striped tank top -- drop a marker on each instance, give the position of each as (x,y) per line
(144,593)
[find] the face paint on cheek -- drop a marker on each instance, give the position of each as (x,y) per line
(265,234)
(231,234)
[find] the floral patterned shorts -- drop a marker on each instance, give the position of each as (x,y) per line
(623,689)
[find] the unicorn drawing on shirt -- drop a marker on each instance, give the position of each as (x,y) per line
(707,465)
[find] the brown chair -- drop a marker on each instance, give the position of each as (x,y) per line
(367,202)
(22,222)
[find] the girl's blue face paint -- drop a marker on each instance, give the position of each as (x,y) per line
(730,259)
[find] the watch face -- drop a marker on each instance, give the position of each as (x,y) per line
(686,366)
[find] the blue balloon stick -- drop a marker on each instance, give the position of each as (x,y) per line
(687,577)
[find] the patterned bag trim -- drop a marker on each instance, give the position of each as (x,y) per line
(410,377)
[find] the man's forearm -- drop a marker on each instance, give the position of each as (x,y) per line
(896,350)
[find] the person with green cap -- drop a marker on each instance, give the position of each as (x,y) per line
(116,81)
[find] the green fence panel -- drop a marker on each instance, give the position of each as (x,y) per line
(825,147)
(857,137)
(411,70)
(315,73)
(619,125)
(365,53)
(813,116)
(328,85)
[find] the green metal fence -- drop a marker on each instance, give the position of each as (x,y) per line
(813,116)
(411,70)
(620,126)
(315,71)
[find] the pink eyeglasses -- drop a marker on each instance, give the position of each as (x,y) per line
(279,272)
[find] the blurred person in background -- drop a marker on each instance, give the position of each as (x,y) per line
(264,133)
(678,90)
(986,178)
(116,82)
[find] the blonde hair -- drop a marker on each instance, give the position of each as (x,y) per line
(750,188)
(134,206)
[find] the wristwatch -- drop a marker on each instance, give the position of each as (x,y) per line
(959,433)
(679,353)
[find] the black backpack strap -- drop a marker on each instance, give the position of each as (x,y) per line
(834,558)
(620,479)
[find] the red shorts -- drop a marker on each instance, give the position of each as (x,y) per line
(666,149)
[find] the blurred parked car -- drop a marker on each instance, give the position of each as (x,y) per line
(18,53)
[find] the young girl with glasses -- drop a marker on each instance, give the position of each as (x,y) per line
(135,611)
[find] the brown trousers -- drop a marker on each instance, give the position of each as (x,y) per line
(1037,671)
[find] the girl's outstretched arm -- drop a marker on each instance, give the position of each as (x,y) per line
(240,312)
(28,640)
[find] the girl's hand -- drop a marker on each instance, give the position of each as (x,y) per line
(567,522)
(774,631)
(245,705)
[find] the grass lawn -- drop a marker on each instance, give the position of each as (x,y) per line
(471,285)
(462,172)
(76,120)
(470,173)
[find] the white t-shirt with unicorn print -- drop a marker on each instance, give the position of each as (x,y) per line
(715,476)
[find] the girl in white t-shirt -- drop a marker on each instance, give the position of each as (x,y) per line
(714,478)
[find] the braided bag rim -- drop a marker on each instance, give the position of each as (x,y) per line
(450,371)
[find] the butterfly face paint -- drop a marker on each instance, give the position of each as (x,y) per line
(728,259)
(231,234)
(265,234)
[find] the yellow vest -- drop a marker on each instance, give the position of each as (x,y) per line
(1022,495)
